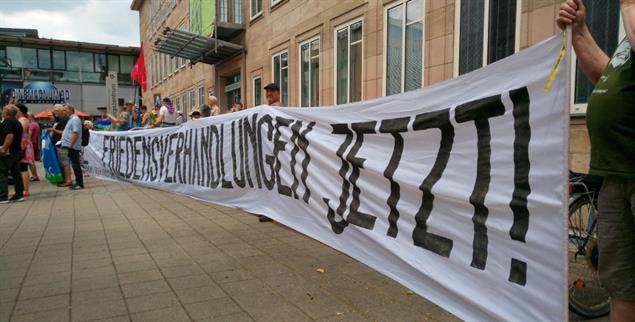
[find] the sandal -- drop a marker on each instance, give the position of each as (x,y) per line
(64,184)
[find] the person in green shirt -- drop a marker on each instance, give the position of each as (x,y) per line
(611,125)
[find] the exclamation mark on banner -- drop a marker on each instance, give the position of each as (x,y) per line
(518,204)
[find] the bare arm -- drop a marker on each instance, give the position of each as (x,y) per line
(6,144)
(145,118)
(628,16)
(591,57)
(158,121)
(115,120)
(74,138)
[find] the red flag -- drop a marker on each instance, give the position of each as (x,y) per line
(138,72)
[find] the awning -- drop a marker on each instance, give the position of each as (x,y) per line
(195,47)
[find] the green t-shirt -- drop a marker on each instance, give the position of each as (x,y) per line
(611,117)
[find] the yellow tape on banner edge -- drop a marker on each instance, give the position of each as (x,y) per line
(556,68)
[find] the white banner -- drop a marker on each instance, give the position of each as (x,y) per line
(455,190)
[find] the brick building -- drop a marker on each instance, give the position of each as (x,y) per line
(328,52)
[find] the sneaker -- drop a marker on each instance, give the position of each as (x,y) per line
(263,218)
(34,179)
(4,201)
(75,187)
(16,198)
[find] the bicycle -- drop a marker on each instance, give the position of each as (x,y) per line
(586,296)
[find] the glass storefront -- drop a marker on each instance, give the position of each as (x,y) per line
(45,64)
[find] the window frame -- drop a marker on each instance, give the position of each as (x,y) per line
(273,78)
(457,32)
(275,2)
(387,7)
(309,41)
(337,28)
(201,95)
(580,109)
(252,15)
(254,89)
(50,58)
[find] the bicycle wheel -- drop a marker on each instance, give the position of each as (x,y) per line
(586,296)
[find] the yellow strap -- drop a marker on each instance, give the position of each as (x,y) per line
(556,68)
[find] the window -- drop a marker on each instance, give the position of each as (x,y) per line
(126,63)
(101,66)
(113,63)
(281,75)
(275,2)
(59,59)
(3,54)
(192,99)
(256,8)
(29,57)
(73,60)
(257,81)
(501,21)
(348,51)
(44,59)
(153,70)
(404,46)
(310,73)
(86,62)
(185,102)
(201,96)
(603,19)
(15,55)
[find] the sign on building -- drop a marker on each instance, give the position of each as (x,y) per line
(111,92)
(40,93)
(202,14)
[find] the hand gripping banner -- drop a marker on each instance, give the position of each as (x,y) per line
(454,190)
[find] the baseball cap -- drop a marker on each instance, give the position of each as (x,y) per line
(272,86)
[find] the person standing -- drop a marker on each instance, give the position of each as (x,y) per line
(34,129)
(611,125)
(195,114)
(206,110)
(167,114)
(56,131)
(28,157)
(10,154)
(124,120)
(180,119)
(72,142)
(272,94)
(104,123)
(212,101)
(146,120)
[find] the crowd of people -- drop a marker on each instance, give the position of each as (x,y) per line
(132,117)
(21,148)
(21,144)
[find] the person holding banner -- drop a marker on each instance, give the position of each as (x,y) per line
(214,110)
(167,114)
(611,125)
(272,94)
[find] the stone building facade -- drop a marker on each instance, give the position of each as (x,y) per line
(329,52)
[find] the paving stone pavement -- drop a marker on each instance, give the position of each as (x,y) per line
(119,252)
